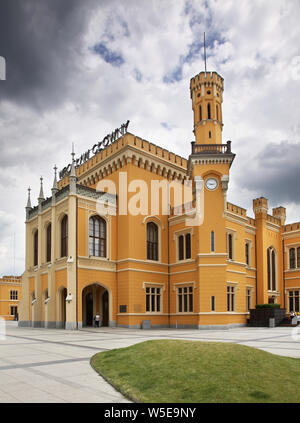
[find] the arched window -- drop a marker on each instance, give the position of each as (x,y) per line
(97,236)
(212,241)
(200,113)
(48,243)
(64,236)
(35,247)
(152,241)
(271,263)
(208,111)
(292,258)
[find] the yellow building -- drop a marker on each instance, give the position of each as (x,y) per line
(143,236)
(10,296)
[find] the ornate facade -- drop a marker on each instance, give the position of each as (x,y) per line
(204,264)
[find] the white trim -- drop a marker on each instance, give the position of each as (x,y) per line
(211,265)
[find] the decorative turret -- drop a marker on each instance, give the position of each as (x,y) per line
(260,207)
(72,176)
(280,213)
(28,206)
(41,195)
(55,186)
(207,95)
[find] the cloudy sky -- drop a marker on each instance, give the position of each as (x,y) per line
(77,69)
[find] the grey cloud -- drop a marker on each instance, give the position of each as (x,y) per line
(39,40)
(275,173)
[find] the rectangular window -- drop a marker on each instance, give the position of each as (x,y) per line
(292,258)
(212,303)
(248,299)
(247,253)
(13,310)
(153,299)
(185,299)
(230,298)
(294,301)
(212,241)
(184,247)
(188,246)
(180,248)
(298,257)
(13,295)
(230,246)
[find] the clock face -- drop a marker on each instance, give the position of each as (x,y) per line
(211,184)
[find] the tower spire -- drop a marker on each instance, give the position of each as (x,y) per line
(28,199)
(55,187)
(72,176)
(41,196)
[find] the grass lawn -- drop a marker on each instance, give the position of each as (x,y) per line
(171,371)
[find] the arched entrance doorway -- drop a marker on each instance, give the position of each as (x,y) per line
(95,300)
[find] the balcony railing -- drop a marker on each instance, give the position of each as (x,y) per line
(211,148)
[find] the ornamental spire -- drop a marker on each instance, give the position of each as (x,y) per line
(72,176)
(55,187)
(28,199)
(41,196)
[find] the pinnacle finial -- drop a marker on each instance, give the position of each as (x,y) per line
(28,199)
(55,178)
(41,196)
(72,173)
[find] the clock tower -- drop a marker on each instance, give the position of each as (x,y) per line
(208,167)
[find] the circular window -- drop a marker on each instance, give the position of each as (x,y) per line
(198,95)
(208,92)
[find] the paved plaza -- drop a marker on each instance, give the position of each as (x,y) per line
(52,365)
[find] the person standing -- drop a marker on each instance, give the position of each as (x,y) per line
(97,320)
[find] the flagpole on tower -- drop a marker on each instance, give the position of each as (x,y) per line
(204,53)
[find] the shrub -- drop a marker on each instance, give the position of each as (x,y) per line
(267,306)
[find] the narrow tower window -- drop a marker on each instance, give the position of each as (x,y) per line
(217,112)
(208,111)
(212,241)
(230,250)
(200,113)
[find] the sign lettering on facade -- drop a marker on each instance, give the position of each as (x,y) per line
(107,140)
